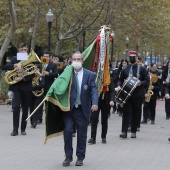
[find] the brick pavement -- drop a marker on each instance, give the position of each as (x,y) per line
(149,151)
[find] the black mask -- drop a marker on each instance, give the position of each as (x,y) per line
(132,60)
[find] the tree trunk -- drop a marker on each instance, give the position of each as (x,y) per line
(37,17)
(11,31)
(58,47)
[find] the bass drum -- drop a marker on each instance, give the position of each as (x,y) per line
(126,90)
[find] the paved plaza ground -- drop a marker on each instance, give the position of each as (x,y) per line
(149,151)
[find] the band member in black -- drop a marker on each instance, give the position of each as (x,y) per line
(21,90)
(106,100)
(37,95)
(123,65)
(166,84)
(50,72)
(132,106)
(114,75)
(150,105)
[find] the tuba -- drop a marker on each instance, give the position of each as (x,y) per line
(27,66)
(150,92)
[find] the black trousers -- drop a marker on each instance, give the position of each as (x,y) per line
(76,116)
(131,109)
(24,97)
(140,111)
(149,109)
(167,107)
(40,110)
(34,102)
(105,110)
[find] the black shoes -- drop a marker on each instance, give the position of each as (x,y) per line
(34,125)
(123,135)
(23,133)
(152,122)
(79,162)
(168,139)
(133,135)
(67,161)
(14,133)
(104,140)
(138,129)
(143,121)
(92,141)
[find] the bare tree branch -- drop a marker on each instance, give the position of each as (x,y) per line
(11,31)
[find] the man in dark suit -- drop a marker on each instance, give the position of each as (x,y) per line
(21,90)
(83,100)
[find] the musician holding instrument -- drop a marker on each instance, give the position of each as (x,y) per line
(132,106)
(151,96)
(37,96)
(50,72)
(21,86)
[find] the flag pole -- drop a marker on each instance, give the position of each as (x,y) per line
(35,110)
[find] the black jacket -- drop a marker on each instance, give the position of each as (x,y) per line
(143,77)
(108,95)
(53,73)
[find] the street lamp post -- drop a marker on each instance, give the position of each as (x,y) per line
(112,49)
(30,35)
(49,18)
(127,45)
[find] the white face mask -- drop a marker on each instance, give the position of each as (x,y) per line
(76,64)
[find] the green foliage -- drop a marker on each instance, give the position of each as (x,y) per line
(143,21)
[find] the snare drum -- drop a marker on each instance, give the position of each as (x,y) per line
(127,89)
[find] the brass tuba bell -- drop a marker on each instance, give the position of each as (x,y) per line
(27,66)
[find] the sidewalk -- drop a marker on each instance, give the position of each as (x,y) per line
(149,151)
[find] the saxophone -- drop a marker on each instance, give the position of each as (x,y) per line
(150,92)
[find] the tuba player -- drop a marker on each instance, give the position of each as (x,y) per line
(21,90)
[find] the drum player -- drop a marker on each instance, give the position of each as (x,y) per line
(132,106)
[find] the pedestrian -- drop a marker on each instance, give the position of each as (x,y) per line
(84,93)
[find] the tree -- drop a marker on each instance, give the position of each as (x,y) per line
(12,29)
